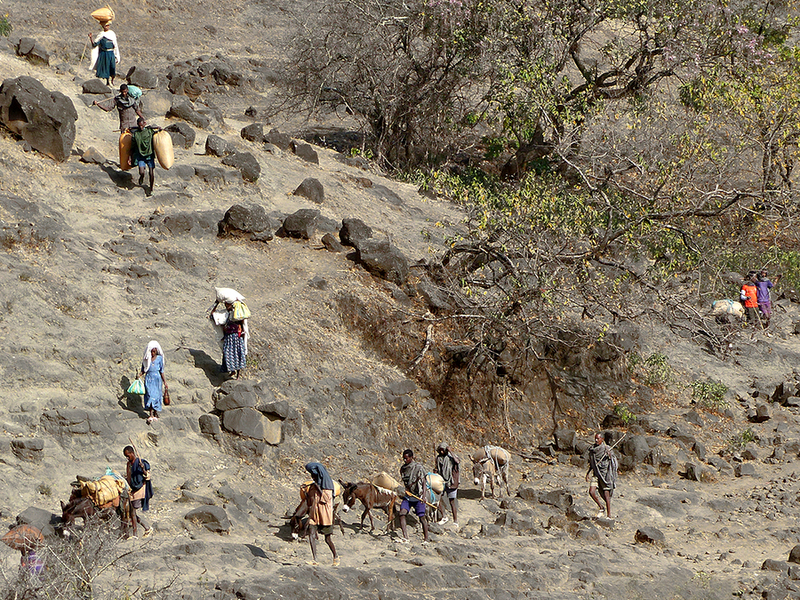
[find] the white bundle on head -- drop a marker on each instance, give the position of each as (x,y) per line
(228,295)
(147,359)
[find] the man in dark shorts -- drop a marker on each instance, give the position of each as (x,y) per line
(143,153)
(141,490)
(413,475)
(447,465)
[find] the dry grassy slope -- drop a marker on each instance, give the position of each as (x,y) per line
(86,323)
(73,327)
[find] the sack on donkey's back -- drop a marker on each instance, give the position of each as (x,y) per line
(102,491)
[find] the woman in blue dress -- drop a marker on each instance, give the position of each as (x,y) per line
(105,53)
(154,381)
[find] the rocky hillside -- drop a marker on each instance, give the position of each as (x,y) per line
(94,268)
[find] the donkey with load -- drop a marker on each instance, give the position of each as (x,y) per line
(490,464)
(371,496)
(105,496)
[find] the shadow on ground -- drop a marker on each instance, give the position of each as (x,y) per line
(131,402)
(209,366)
(121,179)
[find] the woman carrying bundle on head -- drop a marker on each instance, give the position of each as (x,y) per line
(230,313)
(105,53)
(155,384)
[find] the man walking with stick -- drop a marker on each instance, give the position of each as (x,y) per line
(128,106)
(413,476)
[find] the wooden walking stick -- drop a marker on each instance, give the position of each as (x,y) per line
(624,435)
(433,506)
(85,43)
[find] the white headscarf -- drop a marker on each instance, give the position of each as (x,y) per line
(147,359)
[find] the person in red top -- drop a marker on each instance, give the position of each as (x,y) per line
(749,296)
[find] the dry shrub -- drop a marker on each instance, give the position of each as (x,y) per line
(95,562)
(495,386)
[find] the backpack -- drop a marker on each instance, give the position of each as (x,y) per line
(134,91)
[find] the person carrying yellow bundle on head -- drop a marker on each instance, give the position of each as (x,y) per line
(105,52)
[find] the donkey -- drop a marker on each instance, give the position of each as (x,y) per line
(82,507)
(298,520)
(371,496)
(490,463)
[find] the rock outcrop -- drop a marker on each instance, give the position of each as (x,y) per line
(43,118)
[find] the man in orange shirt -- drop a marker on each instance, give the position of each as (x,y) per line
(749,296)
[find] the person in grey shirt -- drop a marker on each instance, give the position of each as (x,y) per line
(447,465)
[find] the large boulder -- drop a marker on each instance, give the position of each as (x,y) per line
(301,224)
(384,260)
(44,119)
(279,139)
(33,50)
(242,393)
(95,86)
(353,231)
(305,151)
(312,189)
(183,108)
(213,518)
(278,409)
(186,133)
(246,219)
(142,78)
(230,397)
(564,439)
(635,448)
(210,426)
(253,132)
(246,163)
(217,146)
(245,422)
(187,84)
